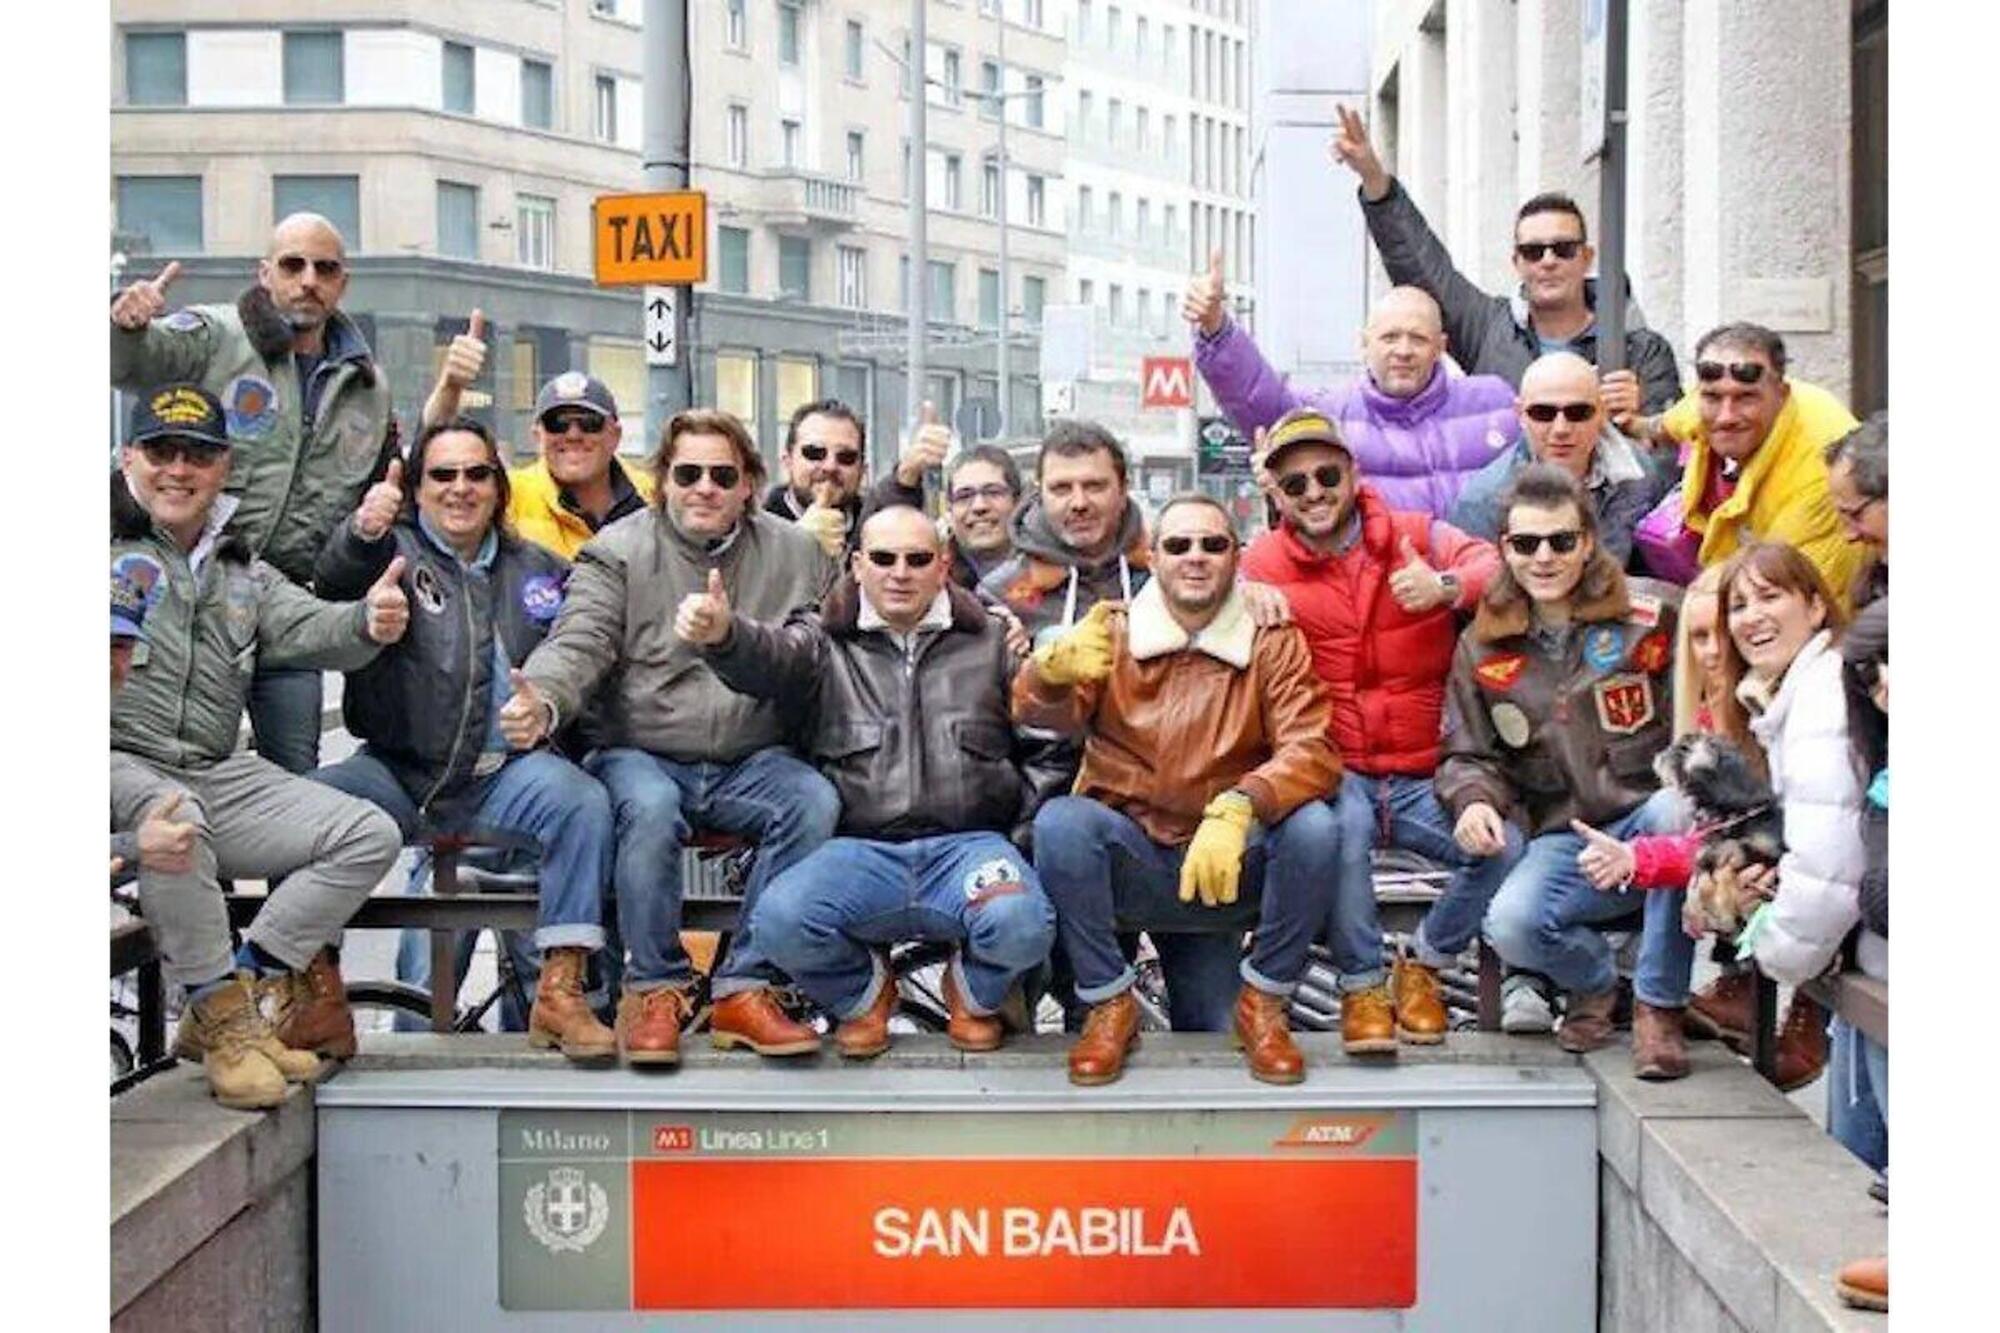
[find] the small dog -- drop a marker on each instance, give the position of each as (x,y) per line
(1736,815)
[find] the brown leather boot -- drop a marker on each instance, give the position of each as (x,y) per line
(1421,1019)
(1659,1051)
(297,1066)
(561,1017)
(1724,1010)
(866,1035)
(227,1029)
(649,1024)
(1368,1022)
(1801,1043)
(1265,1037)
(752,1018)
(1110,1032)
(1586,1024)
(312,1012)
(968,1031)
(1864,1283)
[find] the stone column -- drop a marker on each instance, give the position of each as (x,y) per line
(1653,181)
(1478,212)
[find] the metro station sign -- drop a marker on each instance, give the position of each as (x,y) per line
(1166,381)
(657,238)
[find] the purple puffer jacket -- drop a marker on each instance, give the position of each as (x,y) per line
(1416,452)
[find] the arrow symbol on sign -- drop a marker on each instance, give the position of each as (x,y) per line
(659,342)
(658,309)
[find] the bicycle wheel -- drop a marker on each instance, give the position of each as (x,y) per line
(376,1003)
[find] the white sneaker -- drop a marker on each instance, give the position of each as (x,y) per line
(1524,1006)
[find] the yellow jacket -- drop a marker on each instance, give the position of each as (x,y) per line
(535,507)
(1782,494)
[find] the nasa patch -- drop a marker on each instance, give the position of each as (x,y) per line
(251,405)
(992,879)
(541,598)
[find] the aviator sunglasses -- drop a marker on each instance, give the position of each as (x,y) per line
(293,265)
(1326,474)
(1547,412)
(725,475)
(816,453)
(1213,543)
(476,473)
(888,559)
(1527,543)
(1743,372)
(1532,251)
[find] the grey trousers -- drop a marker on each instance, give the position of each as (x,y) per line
(254,821)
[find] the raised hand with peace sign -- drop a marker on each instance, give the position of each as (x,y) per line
(1351,147)
(1202,304)
(144,301)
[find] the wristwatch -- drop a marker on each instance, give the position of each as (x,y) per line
(1448,581)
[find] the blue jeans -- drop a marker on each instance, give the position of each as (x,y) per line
(818,919)
(285,705)
(771,797)
(1398,811)
(1542,917)
(1857,1093)
(1103,873)
(540,795)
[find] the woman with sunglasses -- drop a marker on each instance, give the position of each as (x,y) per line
(1561,694)
(428,710)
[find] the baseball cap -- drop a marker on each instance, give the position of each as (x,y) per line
(183,411)
(573,388)
(1301,425)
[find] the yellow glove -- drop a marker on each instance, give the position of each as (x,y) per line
(828,527)
(1083,653)
(1214,861)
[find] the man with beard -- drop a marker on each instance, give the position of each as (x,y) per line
(308,419)
(824,460)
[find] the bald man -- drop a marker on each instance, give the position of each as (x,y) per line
(1563,422)
(308,419)
(1417,430)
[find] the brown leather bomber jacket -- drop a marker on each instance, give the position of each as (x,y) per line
(1178,722)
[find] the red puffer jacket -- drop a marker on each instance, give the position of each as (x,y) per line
(1384,666)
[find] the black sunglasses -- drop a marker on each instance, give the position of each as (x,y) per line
(559,422)
(816,453)
(1743,372)
(888,559)
(1326,474)
(1547,412)
(725,475)
(1532,251)
(476,473)
(168,449)
(1214,544)
(293,265)
(1527,543)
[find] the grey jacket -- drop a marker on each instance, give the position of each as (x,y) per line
(1622,484)
(1490,335)
(295,480)
(614,640)
(183,703)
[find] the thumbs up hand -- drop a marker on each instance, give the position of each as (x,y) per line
(1606,862)
(925,449)
(381,504)
(1201,306)
(388,608)
(525,717)
(465,358)
(1083,653)
(1414,584)
(704,617)
(826,520)
(166,847)
(143,302)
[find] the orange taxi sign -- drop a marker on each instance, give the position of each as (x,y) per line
(657,238)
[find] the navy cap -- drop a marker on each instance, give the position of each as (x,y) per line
(184,411)
(573,388)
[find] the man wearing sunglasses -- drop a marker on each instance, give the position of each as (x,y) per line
(1555,309)
(1376,592)
(308,419)
(1563,421)
(901,680)
(677,749)
(825,449)
(1756,468)
(214,611)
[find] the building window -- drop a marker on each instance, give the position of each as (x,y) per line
(954,80)
(989,189)
(944,291)
(458,78)
(1139,36)
(734,24)
(1034,293)
(737,122)
(788,34)
(314,72)
(604,123)
(798,384)
(850,386)
(1114,213)
(1142,219)
(161,214)
(1114,120)
(1032,112)
(853,277)
(853,48)
(989,298)
(538,103)
(1032,13)
(857,160)
(732,246)
(736,387)
(1086,291)
(1116,298)
(1084,106)
(458,220)
(1113,26)
(1084,204)
(535,230)
(794,268)
(335,198)
(621,364)
(954,185)
(1037,202)
(1142,309)
(1141,128)
(789,141)
(156,69)
(906,168)
(989,84)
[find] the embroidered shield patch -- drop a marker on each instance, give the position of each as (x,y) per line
(1624,703)
(1500,673)
(251,405)
(1651,654)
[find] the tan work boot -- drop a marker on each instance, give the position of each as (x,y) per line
(312,1012)
(1261,1030)
(1368,1022)
(1659,1051)
(296,1066)
(561,1017)
(227,1030)
(966,1030)
(1586,1024)
(1110,1031)
(1421,1019)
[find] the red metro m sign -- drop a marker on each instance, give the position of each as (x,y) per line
(1166,381)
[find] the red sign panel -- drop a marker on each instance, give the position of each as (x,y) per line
(1166,381)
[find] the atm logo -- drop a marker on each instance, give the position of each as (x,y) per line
(1330,1131)
(1166,381)
(673,1138)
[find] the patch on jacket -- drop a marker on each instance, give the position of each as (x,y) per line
(239,596)
(251,404)
(1500,673)
(541,598)
(1511,724)
(1624,703)
(182,321)
(356,443)
(1645,609)
(992,879)
(429,589)
(1603,646)
(146,576)
(1651,653)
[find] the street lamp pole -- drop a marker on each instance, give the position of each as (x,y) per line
(664,64)
(1000,104)
(920,270)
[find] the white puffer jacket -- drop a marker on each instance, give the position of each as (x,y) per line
(1804,735)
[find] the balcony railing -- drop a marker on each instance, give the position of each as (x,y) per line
(796,195)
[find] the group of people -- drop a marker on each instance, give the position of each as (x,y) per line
(1035,725)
